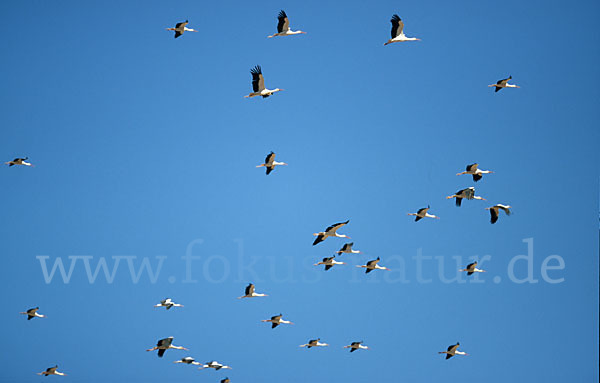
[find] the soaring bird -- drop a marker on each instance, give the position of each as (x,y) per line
(356,346)
(468,193)
(329,262)
(165,344)
(398,31)
(494,211)
(19,161)
(276,320)
(258,84)
(270,163)
(331,231)
(347,248)
(32,313)
(373,265)
(503,84)
(475,171)
(214,364)
(422,213)
(472,268)
(188,360)
(314,343)
(249,292)
(168,303)
(180,28)
(283,26)
(51,371)
(452,350)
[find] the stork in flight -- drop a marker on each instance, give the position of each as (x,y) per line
(214,364)
(494,211)
(188,360)
(331,231)
(452,350)
(329,262)
(270,163)
(475,171)
(472,268)
(258,84)
(356,346)
(180,28)
(283,26)
(422,213)
(372,265)
(468,193)
(398,31)
(51,371)
(249,292)
(19,161)
(32,313)
(276,320)
(314,343)
(168,303)
(503,84)
(347,249)
(165,344)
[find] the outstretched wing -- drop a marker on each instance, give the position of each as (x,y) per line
(494,215)
(270,158)
(181,25)
(284,23)
(249,289)
(319,239)
(258,81)
(397,26)
(472,167)
(336,226)
(477,177)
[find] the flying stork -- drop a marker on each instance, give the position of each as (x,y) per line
(503,84)
(372,265)
(32,313)
(422,213)
(398,31)
(347,248)
(180,28)
(331,231)
(19,161)
(214,364)
(494,211)
(165,344)
(249,292)
(472,268)
(270,163)
(475,171)
(276,320)
(51,371)
(258,84)
(452,350)
(314,343)
(468,193)
(356,346)
(283,26)
(168,303)
(188,360)
(329,262)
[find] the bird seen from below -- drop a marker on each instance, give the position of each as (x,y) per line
(398,31)
(180,28)
(331,231)
(283,26)
(258,84)
(270,163)
(495,209)
(468,193)
(422,213)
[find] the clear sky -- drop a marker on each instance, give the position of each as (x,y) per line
(145,147)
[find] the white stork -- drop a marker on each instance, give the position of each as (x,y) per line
(398,31)
(468,193)
(494,211)
(283,26)
(214,364)
(51,371)
(331,231)
(472,268)
(180,28)
(168,303)
(19,161)
(258,84)
(32,313)
(270,163)
(347,248)
(475,171)
(372,265)
(188,360)
(249,292)
(329,262)
(165,344)
(452,350)
(314,343)
(503,84)
(276,320)
(422,213)
(356,346)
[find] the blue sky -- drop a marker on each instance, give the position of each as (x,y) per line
(144,144)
